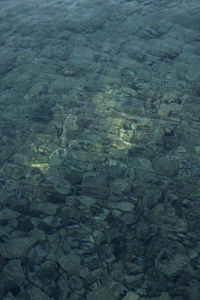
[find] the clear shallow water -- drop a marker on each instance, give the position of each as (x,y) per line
(99,132)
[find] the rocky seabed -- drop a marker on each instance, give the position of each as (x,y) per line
(99,150)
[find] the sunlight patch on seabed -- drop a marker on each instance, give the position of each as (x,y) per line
(122,129)
(44,153)
(40,166)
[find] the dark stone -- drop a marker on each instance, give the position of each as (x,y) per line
(47,275)
(170,140)
(120,246)
(84,123)
(70,216)
(44,227)
(42,114)
(22,208)
(7,285)
(3,262)
(24,224)
(56,198)
(4,222)
(73,178)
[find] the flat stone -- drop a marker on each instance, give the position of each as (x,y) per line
(125,206)
(131,296)
(88,201)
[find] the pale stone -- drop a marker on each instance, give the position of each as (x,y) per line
(131,296)
(125,206)
(197,150)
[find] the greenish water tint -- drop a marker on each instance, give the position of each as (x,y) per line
(99,150)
